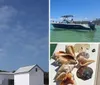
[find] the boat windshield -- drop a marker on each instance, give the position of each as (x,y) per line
(67,20)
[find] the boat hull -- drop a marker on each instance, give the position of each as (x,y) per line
(70,26)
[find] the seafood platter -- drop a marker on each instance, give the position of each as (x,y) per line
(74,64)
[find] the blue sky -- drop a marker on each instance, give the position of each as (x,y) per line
(23,33)
(81,9)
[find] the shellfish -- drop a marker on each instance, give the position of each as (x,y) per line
(64,69)
(70,50)
(68,80)
(57,54)
(83,61)
(60,77)
(66,59)
(84,73)
(84,54)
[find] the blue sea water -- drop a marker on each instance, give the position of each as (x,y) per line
(74,35)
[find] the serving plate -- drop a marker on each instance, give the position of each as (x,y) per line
(94,66)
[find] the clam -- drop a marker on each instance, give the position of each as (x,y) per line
(83,61)
(70,50)
(84,73)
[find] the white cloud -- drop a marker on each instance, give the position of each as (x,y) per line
(29,42)
(6,15)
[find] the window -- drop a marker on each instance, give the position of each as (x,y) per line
(46,78)
(10,82)
(36,69)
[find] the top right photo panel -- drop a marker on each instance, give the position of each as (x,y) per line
(74,21)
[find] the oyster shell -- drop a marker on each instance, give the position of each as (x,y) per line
(84,73)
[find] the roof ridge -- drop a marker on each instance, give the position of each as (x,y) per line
(28,66)
(25,68)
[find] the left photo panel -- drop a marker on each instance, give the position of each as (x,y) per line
(24,40)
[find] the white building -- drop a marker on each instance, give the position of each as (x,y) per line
(29,75)
(6,78)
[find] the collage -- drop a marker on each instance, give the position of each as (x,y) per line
(49,42)
(74,42)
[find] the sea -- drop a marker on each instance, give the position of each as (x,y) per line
(62,35)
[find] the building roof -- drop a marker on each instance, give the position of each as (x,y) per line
(26,69)
(6,73)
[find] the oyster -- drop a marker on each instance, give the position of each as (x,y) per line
(83,61)
(81,47)
(84,73)
(70,50)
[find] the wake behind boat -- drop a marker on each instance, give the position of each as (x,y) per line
(71,24)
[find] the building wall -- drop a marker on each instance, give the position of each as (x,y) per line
(36,78)
(21,79)
(4,78)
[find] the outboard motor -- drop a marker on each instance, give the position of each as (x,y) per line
(92,26)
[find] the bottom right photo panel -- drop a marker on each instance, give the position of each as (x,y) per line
(74,64)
